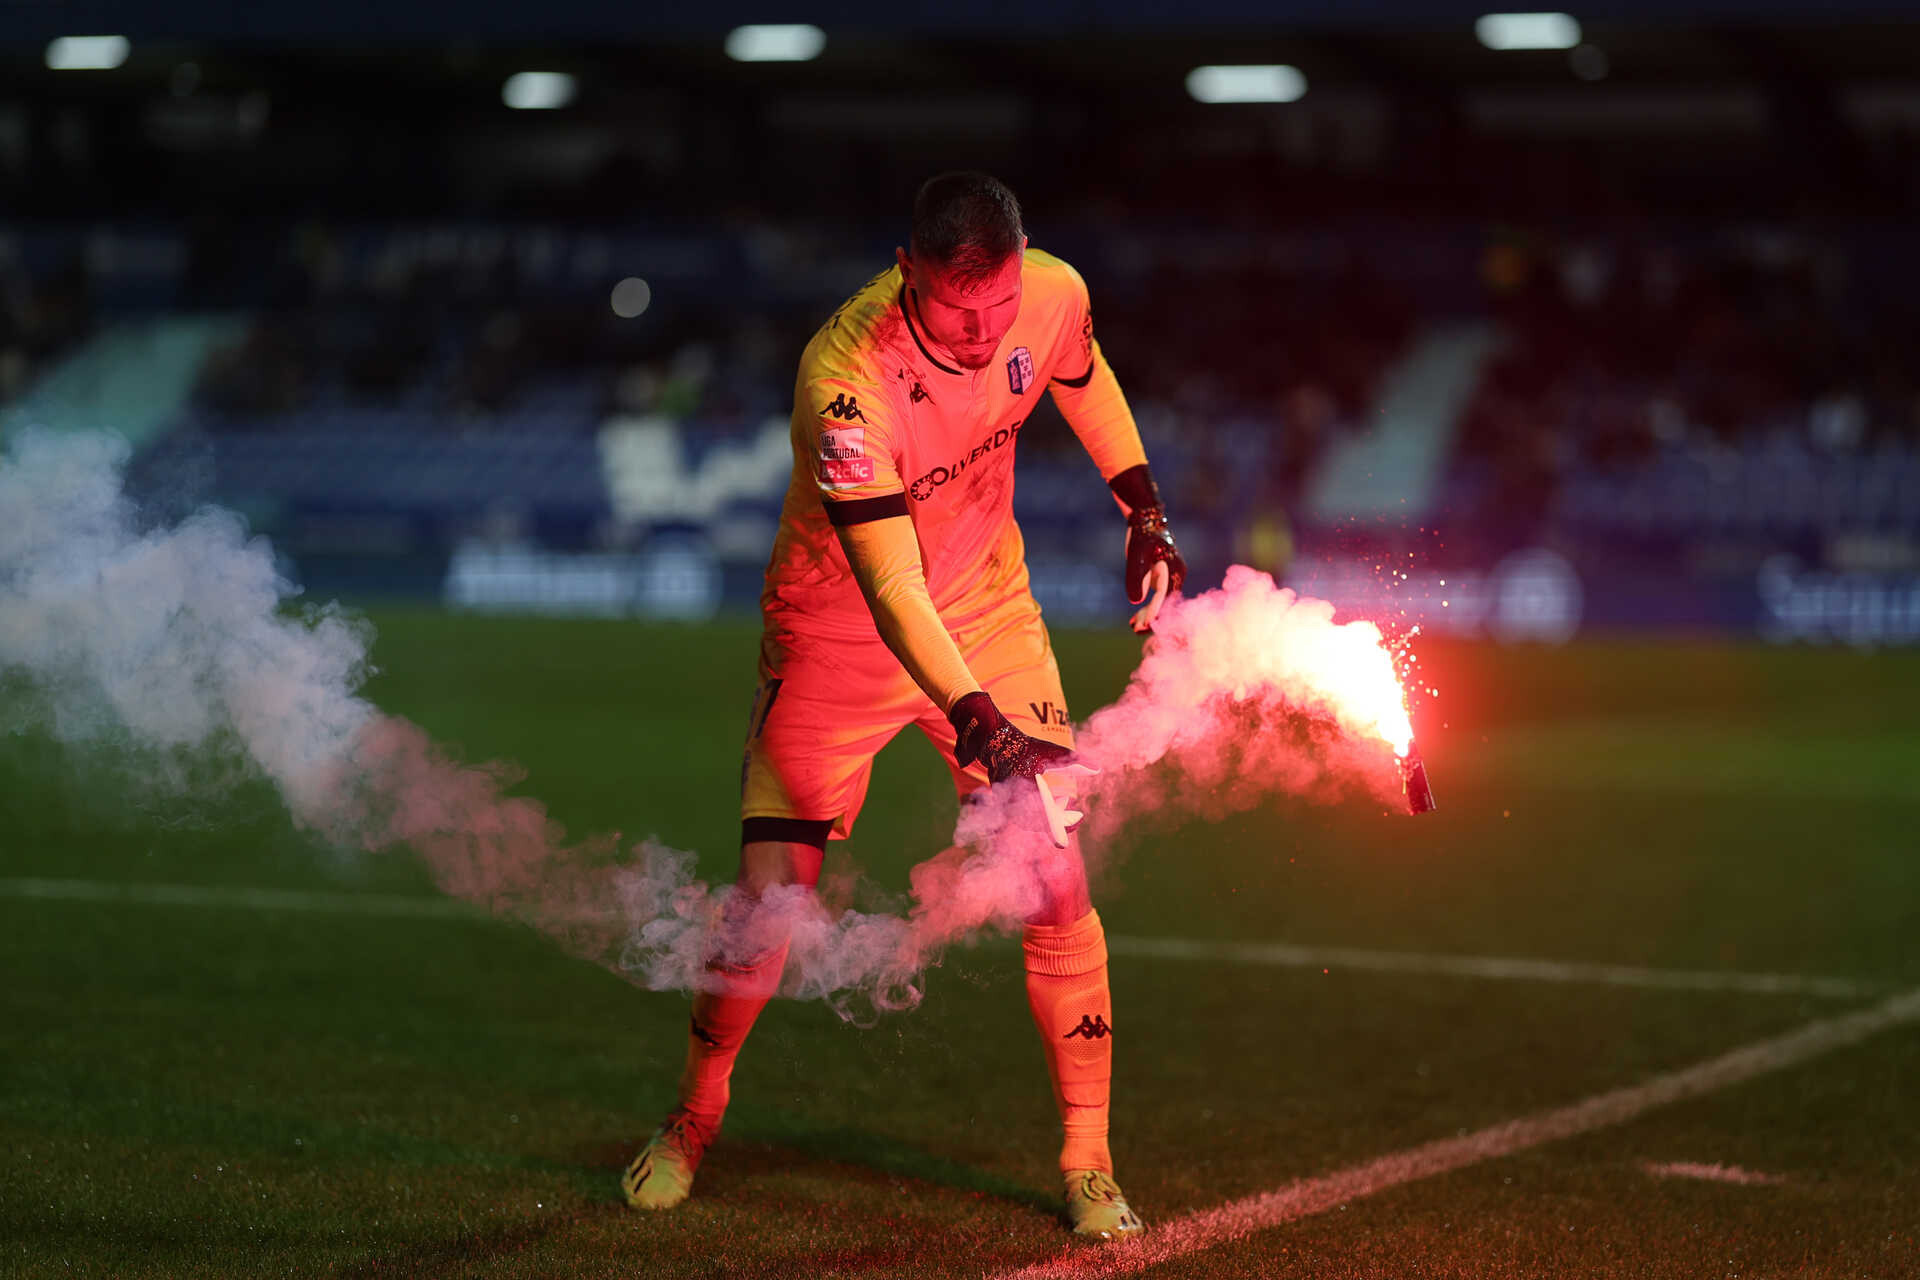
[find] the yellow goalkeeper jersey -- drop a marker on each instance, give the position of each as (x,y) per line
(883,426)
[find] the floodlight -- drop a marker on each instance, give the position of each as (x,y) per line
(1277,83)
(537,90)
(1527,30)
(87,53)
(776,42)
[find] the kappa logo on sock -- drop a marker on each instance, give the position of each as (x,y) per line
(1092,1026)
(703,1035)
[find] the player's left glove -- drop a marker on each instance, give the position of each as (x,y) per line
(1155,568)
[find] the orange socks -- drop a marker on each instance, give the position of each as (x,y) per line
(1067,991)
(721,1020)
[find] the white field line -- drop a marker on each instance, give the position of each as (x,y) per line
(1278,954)
(1714,1173)
(1211,1228)
(1508,968)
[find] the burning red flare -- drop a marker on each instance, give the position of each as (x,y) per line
(1361,678)
(1252,641)
(1353,671)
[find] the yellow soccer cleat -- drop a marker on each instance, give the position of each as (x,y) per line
(1095,1207)
(661,1176)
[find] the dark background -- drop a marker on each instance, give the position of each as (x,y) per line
(1680,257)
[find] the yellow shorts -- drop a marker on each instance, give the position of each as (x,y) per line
(825,708)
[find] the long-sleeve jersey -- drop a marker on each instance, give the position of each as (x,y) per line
(899,518)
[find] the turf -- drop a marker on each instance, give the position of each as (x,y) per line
(192,1090)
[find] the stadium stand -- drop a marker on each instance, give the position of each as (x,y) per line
(1745,393)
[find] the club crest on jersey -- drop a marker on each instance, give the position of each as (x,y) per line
(1020,370)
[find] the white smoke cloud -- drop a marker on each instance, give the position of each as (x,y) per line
(1244,693)
(181,643)
(171,639)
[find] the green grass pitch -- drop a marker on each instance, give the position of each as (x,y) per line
(211,1089)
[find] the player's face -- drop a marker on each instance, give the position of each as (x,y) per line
(968,318)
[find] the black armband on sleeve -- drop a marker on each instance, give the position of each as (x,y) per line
(861,510)
(1135,487)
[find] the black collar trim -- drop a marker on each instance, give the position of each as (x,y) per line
(906,309)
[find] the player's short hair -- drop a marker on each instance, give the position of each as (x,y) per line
(967,223)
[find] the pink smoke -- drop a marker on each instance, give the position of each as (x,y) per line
(178,639)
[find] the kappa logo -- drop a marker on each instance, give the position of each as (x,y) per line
(845,407)
(1020,370)
(922,489)
(1047,713)
(918,393)
(1092,1026)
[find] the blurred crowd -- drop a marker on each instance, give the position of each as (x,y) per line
(1611,351)
(1616,351)
(458,341)
(1253,367)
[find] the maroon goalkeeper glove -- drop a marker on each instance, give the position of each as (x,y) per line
(985,735)
(1155,568)
(989,737)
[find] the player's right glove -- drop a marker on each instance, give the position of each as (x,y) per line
(989,737)
(1155,567)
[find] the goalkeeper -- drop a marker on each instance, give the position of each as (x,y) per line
(897,594)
